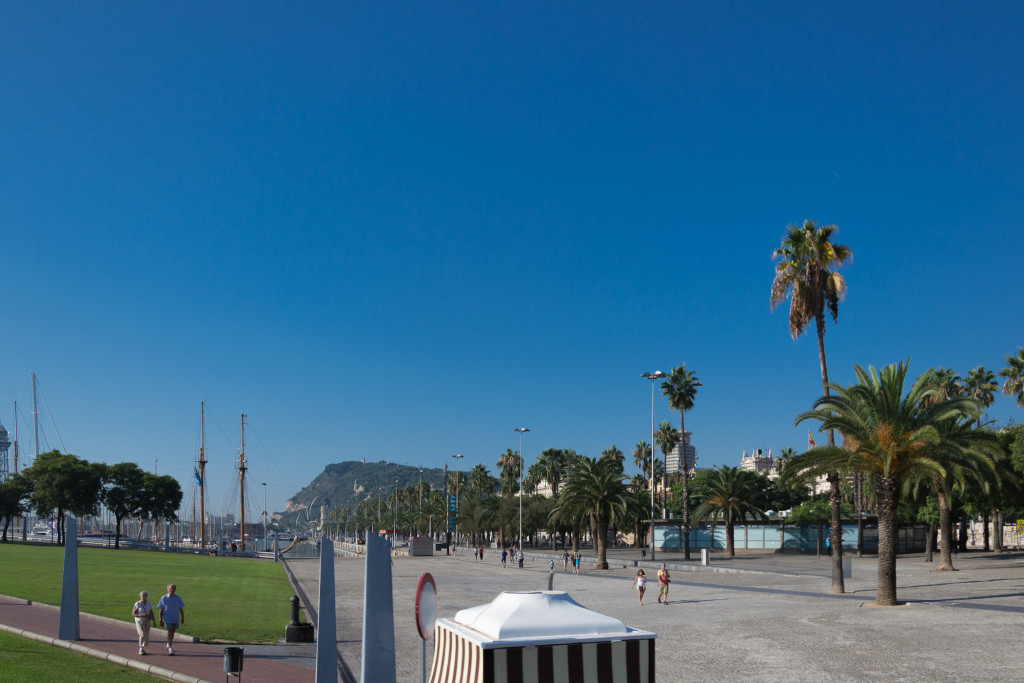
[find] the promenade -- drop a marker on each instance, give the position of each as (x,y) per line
(753,617)
(116,642)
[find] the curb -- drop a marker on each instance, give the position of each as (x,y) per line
(105,656)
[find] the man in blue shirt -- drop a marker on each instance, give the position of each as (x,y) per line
(172,611)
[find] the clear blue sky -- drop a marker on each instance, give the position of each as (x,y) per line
(400,230)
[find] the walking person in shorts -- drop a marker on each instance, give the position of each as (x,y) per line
(172,613)
(663,580)
(143,613)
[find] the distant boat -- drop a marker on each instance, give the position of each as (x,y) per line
(41,531)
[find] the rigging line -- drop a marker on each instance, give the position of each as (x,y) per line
(231,440)
(280,474)
(50,413)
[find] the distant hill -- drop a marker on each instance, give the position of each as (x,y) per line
(347,483)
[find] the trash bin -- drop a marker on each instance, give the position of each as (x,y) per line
(233,657)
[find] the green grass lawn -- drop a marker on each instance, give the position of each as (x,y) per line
(24,659)
(226,599)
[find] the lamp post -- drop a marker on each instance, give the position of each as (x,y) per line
(419,515)
(394,532)
(521,463)
(457,456)
(266,543)
(653,376)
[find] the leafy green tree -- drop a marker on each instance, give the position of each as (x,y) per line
(63,484)
(595,490)
(806,274)
(14,495)
(124,494)
(730,494)
(893,437)
(552,463)
(681,390)
(162,497)
(1014,375)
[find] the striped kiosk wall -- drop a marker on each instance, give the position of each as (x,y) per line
(552,650)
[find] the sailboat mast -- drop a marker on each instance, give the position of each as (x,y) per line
(241,481)
(35,411)
(202,474)
(22,520)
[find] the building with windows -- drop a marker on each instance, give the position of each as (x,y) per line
(674,460)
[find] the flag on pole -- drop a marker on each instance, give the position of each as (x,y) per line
(199,480)
(810,440)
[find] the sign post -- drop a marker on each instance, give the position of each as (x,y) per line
(426,615)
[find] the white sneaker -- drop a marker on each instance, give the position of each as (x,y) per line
(142,651)
(170,650)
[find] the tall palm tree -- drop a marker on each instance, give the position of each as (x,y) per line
(614,456)
(889,435)
(595,489)
(642,457)
(508,465)
(806,275)
(1014,374)
(481,483)
(553,464)
(681,390)
(729,494)
(981,384)
(667,437)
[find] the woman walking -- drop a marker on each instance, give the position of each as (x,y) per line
(143,613)
(640,583)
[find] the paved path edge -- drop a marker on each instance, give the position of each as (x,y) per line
(105,656)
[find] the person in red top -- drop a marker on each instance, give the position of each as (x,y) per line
(663,579)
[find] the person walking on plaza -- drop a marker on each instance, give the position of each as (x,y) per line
(565,561)
(143,613)
(663,580)
(504,556)
(172,612)
(640,583)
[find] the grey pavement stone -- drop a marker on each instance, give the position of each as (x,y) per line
(764,618)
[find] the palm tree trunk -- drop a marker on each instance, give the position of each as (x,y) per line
(686,489)
(997,531)
(730,539)
(834,499)
(601,545)
(888,530)
(984,521)
(929,543)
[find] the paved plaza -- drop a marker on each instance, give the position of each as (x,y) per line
(754,617)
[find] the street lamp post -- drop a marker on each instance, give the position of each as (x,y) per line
(521,463)
(394,532)
(653,376)
(457,456)
(447,515)
(266,543)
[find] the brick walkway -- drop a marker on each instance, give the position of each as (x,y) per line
(116,642)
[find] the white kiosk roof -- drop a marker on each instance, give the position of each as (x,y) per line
(529,617)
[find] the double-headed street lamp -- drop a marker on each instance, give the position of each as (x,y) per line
(457,456)
(521,463)
(653,376)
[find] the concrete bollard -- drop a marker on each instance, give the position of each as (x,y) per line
(705,556)
(296,631)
